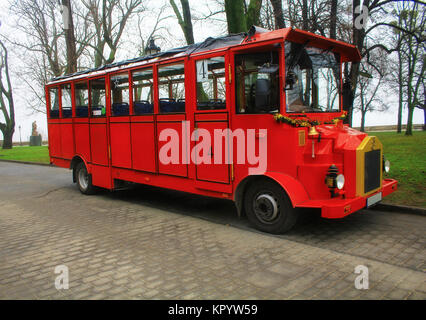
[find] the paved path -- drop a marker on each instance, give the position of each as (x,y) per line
(148,243)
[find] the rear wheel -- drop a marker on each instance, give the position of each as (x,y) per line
(268,207)
(84,179)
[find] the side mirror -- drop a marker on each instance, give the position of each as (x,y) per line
(263,94)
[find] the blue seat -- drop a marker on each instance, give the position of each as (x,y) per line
(142,107)
(54,114)
(82,111)
(66,113)
(120,109)
(171,105)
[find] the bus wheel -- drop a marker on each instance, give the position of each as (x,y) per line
(268,207)
(84,179)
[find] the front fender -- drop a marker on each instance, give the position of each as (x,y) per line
(295,190)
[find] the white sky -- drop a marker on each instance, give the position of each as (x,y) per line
(202,29)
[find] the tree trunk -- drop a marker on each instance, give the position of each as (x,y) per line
(253,13)
(278,14)
(409,130)
(333,19)
(7,139)
(424,123)
(189,34)
(235,16)
(400,88)
(70,39)
(305,24)
(362,121)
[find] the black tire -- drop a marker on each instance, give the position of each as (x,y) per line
(268,207)
(84,180)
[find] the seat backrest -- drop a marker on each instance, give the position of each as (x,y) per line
(142,107)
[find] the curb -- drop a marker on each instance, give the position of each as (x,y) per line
(27,162)
(397,208)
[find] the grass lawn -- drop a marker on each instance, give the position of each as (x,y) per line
(408,165)
(406,154)
(31,154)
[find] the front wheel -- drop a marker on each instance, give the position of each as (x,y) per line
(84,179)
(268,207)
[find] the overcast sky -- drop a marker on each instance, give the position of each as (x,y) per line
(202,29)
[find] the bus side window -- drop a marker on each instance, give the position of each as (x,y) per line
(171,88)
(211,87)
(97,98)
(143,93)
(120,95)
(81,94)
(66,101)
(54,103)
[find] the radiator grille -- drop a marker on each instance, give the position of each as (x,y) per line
(372,170)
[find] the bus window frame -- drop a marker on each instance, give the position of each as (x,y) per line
(71,83)
(107,96)
(254,48)
(193,67)
(112,74)
(76,81)
(187,77)
(153,67)
(58,87)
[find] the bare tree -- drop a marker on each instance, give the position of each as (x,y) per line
(370,81)
(6,99)
(43,49)
(109,20)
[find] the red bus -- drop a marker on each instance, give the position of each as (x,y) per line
(273,96)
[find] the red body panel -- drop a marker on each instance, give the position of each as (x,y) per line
(143,146)
(82,138)
(99,143)
(121,150)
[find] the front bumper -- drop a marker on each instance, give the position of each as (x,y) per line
(339,208)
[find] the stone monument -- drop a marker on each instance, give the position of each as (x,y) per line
(35,138)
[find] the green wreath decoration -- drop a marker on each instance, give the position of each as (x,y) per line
(306,122)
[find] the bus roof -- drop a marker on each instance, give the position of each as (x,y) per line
(255,34)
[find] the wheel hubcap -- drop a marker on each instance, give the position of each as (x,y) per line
(83,178)
(266,208)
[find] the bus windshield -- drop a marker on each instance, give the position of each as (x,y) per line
(312,79)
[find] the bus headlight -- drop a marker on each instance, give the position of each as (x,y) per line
(387,166)
(334,180)
(340,181)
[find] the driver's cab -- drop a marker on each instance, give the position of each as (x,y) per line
(295,76)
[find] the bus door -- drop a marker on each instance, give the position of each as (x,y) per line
(170,118)
(98,133)
(142,121)
(211,121)
(81,120)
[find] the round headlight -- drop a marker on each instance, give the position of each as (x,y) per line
(340,181)
(387,166)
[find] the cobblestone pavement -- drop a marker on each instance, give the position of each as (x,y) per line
(135,245)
